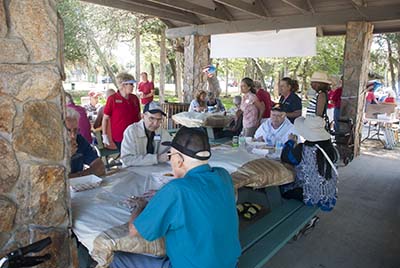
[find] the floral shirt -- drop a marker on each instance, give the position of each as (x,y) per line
(250,110)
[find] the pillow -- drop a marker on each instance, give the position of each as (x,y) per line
(260,173)
(118,239)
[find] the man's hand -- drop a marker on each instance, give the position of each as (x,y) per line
(162,158)
(141,205)
(106,141)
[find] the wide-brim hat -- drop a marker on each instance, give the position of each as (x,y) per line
(320,77)
(311,128)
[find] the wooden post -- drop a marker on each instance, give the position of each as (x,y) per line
(163,60)
(137,50)
(196,58)
(356,60)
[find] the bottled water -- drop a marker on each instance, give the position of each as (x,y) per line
(278,148)
(242,142)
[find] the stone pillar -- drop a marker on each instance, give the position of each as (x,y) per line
(34,201)
(356,59)
(197,56)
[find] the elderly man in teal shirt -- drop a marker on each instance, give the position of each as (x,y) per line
(195,212)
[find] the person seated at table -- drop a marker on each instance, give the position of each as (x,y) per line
(237,125)
(196,212)
(141,145)
(84,124)
(275,129)
(214,104)
(199,104)
(82,152)
(316,176)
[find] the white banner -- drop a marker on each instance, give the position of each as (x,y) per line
(284,43)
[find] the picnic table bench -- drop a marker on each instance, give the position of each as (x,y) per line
(263,238)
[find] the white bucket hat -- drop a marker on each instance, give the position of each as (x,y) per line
(321,77)
(311,128)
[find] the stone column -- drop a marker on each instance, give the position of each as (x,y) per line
(34,201)
(356,60)
(197,56)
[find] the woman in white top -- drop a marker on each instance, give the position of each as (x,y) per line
(199,104)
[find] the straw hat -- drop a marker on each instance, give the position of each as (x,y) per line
(320,77)
(311,128)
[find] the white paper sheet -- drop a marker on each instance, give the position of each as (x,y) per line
(283,43)
(97,210)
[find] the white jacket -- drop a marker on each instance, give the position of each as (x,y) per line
(133,147)
(268,133)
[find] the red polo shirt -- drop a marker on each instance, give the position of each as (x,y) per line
(122,112)
(264,97)
(146,88)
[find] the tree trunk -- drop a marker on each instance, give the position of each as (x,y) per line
(398,61)
(152,72)
(137,50)
(226,77)
(260,73)
(391,65)
(297,69)
(101,56)
(172,63)
(163,59)
(179,69)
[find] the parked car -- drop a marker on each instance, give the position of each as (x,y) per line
(106,80)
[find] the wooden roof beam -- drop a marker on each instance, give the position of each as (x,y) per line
(141,6)
(193,8)
(310,6)
(360,3)
(302,9)
(168,23)
(263,5)
(320,31)
(223,10)
(381,13)
(253,9)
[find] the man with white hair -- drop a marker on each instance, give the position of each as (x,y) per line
(141,145)
(195,212)
(275,129)
(82,153)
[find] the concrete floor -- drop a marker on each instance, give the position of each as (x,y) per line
(363,231)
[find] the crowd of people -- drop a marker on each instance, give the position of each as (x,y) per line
(201,204)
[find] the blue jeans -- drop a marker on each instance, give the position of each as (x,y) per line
(132,260)
(336,117)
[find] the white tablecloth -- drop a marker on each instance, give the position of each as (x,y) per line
(97,210)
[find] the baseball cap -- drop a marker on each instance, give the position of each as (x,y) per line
(94,94)
(190,142)
(153,108)
(278,107)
